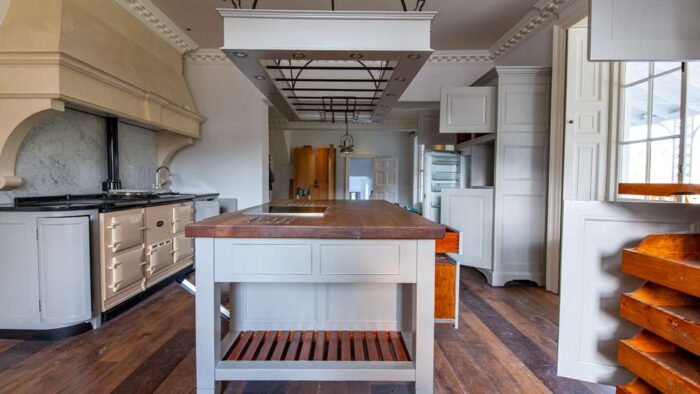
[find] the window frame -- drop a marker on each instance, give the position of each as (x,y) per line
(620,142)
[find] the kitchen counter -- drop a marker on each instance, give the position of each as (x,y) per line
(96,201)
(362,276)
(343,219)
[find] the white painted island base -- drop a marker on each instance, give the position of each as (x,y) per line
(403,269)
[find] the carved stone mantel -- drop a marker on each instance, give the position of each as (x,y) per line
(89,54)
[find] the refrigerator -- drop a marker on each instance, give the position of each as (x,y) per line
(441,170)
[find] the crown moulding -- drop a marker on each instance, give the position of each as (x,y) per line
(151,16)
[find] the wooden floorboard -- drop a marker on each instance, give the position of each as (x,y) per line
(506,343)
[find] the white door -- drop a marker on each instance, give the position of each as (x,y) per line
(64,269)
(386,179)
(594,234)
(638,30)
(468,110)
(471,212)
(586,130)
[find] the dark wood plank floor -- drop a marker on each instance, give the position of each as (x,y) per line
(506,343)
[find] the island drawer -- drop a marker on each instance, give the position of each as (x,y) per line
(330,261)
(450,243)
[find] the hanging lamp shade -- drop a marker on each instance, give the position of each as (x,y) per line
(347,144)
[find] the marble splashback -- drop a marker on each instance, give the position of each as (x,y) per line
(65,154)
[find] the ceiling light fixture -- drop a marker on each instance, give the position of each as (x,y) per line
(298,55)
(357,56)
(240,54)
(347,144)
(400,79)
(259,77)
(414,56)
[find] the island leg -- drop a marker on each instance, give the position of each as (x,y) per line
(425,315)
(208,321)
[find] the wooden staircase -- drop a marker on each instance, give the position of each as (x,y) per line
(665,356)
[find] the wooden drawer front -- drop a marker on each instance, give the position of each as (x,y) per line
(159,258)
(450,243)
(125,269)
(124,231)
(159,223)
(285,259)
(361,259)
(182,216)
(445,294)
(183,248)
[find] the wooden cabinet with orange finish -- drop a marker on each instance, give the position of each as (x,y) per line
(666,354)
(314,168)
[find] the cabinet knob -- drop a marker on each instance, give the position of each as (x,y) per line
(570,122)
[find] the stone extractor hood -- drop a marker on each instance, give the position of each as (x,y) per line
(93,55)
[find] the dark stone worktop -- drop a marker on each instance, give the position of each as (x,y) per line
(100,202)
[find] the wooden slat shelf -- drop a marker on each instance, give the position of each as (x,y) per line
(637,386)
(660,363)
(670,260)
(673,315)
(658,189)
(318,346)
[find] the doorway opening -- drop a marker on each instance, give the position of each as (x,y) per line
(360,178)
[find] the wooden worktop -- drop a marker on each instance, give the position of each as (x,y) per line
(343,219)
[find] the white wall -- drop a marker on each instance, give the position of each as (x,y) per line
(535,51)
(379,144)
(231,158)
(434,76)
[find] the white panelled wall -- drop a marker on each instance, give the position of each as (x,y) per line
(232,155)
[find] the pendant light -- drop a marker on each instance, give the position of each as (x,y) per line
(347,144)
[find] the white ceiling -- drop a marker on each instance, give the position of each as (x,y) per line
(460,24)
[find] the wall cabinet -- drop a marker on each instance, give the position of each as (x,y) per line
(45,261)
(639,30)
(468,110)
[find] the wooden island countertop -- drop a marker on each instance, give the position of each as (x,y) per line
(344,219)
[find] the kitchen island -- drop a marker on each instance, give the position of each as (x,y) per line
(341,295)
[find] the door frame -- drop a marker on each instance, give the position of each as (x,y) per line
(555,190)
(346,192)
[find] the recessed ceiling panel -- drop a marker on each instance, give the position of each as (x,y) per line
(329,66)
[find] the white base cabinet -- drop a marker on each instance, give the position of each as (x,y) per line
(45,261)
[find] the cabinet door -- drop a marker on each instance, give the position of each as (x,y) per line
(64,269)
(471,212)
(183,214)
(468,110)
(639,30)
(159,258)
(594,234)
(159,224)
(124,229)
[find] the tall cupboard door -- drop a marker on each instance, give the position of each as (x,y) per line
(471,212)
(64,269)
(468,110)
(639,30)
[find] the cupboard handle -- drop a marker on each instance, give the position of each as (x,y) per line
(143,228)
(113,245)
(113,226)
(115,286)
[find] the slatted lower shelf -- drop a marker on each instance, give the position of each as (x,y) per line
(318,346)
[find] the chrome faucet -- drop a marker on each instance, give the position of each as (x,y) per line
(160,184)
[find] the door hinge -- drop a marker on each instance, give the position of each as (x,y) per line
(39,305)
(37,233)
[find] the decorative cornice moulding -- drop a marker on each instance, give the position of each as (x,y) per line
(459,57)
(151,16)
(207,56)
(542,12)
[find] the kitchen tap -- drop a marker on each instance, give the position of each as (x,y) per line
(160,184)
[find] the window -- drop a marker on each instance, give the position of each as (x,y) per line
(659,138)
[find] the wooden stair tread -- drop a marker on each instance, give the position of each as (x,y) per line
(667,313)
(637,386)
(318,346)
(660,363)
(671,260)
